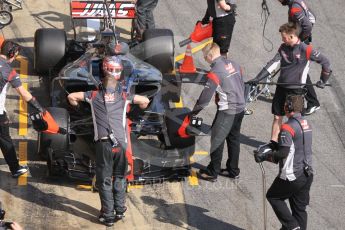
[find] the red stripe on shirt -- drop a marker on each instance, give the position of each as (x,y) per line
(294,10)
(289,129)
(12,75)
(308,51)
(93,94)
(213,77)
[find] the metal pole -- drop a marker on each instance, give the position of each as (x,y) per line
(264,194)
(294,84)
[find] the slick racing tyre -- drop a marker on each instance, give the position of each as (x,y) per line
(49,49)
(58,143)
(5,18)
(159,49)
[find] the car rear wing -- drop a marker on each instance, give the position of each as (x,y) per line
(96,9)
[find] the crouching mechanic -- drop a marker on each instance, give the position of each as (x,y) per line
(8,76)
(294,156)
(108,111)
(293,59)
(225,78)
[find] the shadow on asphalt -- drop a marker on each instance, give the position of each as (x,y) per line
(47,199)
(38,178)
(249,141)
(170,213)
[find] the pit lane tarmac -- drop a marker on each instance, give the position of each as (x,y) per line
(39,202)
(42,203)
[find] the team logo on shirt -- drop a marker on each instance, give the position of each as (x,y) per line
(304,125)
(229,67)
(109,97)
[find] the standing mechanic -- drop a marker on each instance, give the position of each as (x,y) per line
(293,59)
(108,111)
(9,52)
(145,19)
(294,156)
(225,78)
(223,14)
(300,14)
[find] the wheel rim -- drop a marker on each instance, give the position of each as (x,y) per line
(5,18)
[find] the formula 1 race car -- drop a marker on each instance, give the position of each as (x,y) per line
(155,149)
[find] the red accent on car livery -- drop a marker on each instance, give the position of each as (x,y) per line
(97,10)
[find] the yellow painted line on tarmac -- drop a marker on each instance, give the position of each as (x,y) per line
(22,150)
(135,186)
(194,50)
(193,178)
(201,152)
(83,186)
(23,121)
(179,104)
(23,117)
(24,64)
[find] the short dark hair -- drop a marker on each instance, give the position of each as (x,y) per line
(9,48)
(294,103)
(290,28)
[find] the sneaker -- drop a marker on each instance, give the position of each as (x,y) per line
(121,215)
(226,173)
(20,171)
(311,110)
(205,175)
(107,221)
(248,111)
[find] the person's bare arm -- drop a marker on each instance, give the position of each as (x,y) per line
(26,95)
(222,4)
(16,226)
(74,98)
(142,101)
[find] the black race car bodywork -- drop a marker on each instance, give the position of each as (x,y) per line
(155,150)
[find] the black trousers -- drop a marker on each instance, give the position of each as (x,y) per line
(222,31)
(6,144)
(111,168)
(225,127)
(311,96)
(297,192)
(145,19)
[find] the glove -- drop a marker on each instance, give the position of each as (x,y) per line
(273,145)
(35,105)
(323,79)
(261,156)
(262,75)
(38,123)
(265,152)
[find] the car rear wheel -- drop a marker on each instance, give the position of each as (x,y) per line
(49,49)
(159,49)
(58,143)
